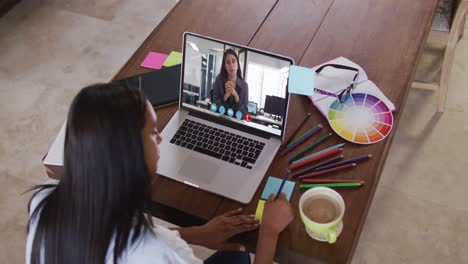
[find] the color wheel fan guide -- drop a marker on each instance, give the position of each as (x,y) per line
(363,117)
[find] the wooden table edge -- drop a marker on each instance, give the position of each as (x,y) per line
(390,139)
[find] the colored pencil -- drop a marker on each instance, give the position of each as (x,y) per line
(323,163)
(329,181)
(315,158)
(319,152)
(285,177)
(344,162)
(302,136)
(310,175)
(342,184)
(316,143)
(308,135)
(297,130)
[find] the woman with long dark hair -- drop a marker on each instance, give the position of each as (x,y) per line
(97,212)
(230,89)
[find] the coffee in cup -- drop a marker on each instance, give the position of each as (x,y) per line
(322,211)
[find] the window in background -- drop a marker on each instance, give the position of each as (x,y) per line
(263,81)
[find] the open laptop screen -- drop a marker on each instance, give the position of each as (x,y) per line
(225,80)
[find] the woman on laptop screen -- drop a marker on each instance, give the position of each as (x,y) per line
(98,211)
(229,88)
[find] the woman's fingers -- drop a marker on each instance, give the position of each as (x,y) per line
(244,219)
(248,227)
(271,198)
(226,96)
(242,228)
(233,212)
(228,85)
(282,196)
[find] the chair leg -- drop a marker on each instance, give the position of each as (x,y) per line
(461,27)
(449,54)
(442,96)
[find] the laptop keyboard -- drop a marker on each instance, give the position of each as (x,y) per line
(218,143)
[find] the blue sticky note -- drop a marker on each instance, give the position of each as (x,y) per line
(301,80)
(272,186)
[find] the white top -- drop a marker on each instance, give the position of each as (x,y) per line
(164,246)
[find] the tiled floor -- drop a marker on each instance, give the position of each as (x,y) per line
(50,49)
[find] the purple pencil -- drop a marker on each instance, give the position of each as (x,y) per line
(311,133)
(344,162)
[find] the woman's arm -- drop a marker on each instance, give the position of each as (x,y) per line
(243,98)
(266,247)
(215,233)
(276,217)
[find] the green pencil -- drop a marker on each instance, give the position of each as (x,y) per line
(320,140)
(305,134)
(342,184)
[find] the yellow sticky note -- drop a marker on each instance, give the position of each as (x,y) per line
(173,59)
(259,212)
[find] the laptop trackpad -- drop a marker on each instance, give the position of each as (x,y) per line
(198,170)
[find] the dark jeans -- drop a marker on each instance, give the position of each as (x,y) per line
(229,257)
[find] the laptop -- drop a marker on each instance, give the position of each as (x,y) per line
(214,144)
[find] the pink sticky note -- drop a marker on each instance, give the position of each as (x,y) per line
(154,60)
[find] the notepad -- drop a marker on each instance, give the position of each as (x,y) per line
(272,187)
(174,58)
(259,211)
(154,60)
(301,80)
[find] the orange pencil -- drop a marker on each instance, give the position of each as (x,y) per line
(351,165)
(330,181)
(315,158)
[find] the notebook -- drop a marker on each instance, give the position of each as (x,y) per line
(161,87)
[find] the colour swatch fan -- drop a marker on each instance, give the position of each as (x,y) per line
(365,117)
(362,118)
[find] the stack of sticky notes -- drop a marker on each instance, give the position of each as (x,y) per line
(272,186)
(301,80)
(174,58)
(155,60)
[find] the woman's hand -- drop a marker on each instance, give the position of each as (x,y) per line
(277,215)
(227,90)
(215,233)
(230,89)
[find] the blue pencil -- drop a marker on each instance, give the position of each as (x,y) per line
(318,153)
(285,177)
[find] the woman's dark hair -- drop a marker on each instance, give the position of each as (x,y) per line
(223,71)
(103,192)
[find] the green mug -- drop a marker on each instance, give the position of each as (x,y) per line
(326,232)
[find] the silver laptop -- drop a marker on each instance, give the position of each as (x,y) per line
(216,141)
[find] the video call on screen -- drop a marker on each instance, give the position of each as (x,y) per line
(252,92)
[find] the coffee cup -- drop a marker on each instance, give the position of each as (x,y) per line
(322,211)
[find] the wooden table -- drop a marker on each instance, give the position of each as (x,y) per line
(385,37)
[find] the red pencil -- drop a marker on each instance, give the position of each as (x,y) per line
(330,181)
(310,175)
(315,158)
